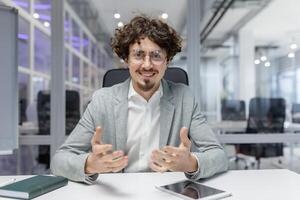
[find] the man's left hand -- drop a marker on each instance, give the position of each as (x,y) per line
(175,158)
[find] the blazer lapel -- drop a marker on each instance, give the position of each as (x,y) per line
(166,114)
(121,114)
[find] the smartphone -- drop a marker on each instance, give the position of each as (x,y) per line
(193,190)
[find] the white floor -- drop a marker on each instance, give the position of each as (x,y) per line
(290,160)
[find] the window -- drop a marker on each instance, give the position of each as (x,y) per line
(94,53)
(286,88)
(75,69)
(24,4)
(23,43)
(67,28)
(42,54)
(67,63)
(86,75)
(75,39)
(42,12)
(86,44)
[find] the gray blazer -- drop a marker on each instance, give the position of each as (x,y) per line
(109,108)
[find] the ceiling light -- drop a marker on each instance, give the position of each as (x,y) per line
(117,15)
(256,61)
(120,24)
(293,46)
(46,24)
(263,58)
(267,64)
(291,55)
(36,15)
(164,16)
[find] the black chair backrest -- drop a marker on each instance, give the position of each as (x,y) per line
(43,112)
(296,113)
(72,111)
(233,110)
(115,76)
(266,115)
(22,110)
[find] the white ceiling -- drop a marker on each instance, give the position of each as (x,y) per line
(277,24)
(176,10)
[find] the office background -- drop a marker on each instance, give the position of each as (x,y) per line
(245,49)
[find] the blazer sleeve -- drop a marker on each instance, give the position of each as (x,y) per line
(69,160)
(210,154)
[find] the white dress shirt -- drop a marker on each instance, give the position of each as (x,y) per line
(143,128)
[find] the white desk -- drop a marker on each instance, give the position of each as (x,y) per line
(276,184)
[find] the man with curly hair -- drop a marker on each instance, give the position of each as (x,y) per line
(145,123)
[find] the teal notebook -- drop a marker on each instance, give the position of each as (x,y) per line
(32,187)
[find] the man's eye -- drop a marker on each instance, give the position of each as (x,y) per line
(156,56)
(138,55)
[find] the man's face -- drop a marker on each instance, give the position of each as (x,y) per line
(147,65)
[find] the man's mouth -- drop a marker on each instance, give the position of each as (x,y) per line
(147,74)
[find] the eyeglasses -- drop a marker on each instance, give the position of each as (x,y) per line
(156,57)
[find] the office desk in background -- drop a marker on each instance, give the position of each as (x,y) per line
(240,126)
(28,128)
(275,184)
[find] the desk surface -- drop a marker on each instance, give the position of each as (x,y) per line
(244,185)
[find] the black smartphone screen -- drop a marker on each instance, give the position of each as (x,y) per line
(192,189)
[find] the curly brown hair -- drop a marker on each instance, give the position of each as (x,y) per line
(140,27)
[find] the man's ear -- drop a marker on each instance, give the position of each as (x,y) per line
(168,62)
(126,60)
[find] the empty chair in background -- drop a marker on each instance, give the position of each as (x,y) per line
(233,110)
(43,109)
(296,113)
(266,115)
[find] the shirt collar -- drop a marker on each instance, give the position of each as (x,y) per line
(132,92)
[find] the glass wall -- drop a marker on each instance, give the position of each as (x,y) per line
(83,76)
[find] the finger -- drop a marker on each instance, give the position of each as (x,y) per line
(112,157)
(160,161)
(157,168)
(173,151)
(97,136)
(165,156)
(102,149)
(122,165)
(185,141)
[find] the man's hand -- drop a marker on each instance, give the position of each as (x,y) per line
(102,159)
(175,158)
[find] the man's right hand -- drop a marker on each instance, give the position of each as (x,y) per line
(102,159)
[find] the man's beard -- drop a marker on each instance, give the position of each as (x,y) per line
(147,86)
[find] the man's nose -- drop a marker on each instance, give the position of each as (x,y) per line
(147,62)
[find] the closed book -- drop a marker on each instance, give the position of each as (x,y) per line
(32,187)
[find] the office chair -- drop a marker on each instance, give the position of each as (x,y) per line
(22,110)
(266,115)
(234,110)
(72,110)
(43,109)
(295,112)
(115,76)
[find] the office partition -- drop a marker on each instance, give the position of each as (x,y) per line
(8,79)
